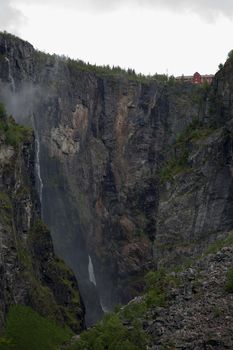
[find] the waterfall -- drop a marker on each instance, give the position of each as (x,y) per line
(10,76)
(93,280)
(37,165)
(91,271)
(105,310)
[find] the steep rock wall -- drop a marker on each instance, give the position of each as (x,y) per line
(30,272)
(104,142)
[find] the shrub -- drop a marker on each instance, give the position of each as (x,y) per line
(158,283)
(6,344)
(111,334)
(15,133)
(28,330)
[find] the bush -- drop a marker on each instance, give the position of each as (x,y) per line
(229,283)
(158,283)
(6,344)
(111,334)
(28,330)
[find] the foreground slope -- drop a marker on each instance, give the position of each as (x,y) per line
(190,308)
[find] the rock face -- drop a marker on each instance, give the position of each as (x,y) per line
(30,272)
(104,142)
(195,206)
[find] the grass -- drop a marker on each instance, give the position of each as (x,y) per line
(216,246)
(27,330)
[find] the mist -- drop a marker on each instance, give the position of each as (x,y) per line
(20,104)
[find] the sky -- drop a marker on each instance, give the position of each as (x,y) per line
(151,36)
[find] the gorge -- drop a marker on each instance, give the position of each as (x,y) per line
(132,173)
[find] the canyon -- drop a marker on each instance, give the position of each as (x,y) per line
(132,174)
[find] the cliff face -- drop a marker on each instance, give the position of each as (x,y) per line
(119,190)
(196,206)
(30,272)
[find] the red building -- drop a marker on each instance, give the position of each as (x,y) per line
(196,78)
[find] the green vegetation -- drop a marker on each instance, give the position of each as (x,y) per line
(112,334)
(230,55)
(5,202)
(79,65)
(229,283)
(27,330)
(174,166)
(216,246)
(6,344)
(14,133)
(179,162)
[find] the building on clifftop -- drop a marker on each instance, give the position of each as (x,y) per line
(196,78)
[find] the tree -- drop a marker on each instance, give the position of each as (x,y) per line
(230,55)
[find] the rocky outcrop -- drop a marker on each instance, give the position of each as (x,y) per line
(199,314)
(31,274)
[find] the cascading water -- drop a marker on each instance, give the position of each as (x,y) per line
(10,76)
(91,271)
(37,166)
(93,280)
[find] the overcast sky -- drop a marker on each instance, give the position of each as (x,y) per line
(178,36)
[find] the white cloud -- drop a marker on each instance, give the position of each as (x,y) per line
(10,17)
(205,8)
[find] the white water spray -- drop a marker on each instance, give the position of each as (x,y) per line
(104,308)
(91,271)
(37,165)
